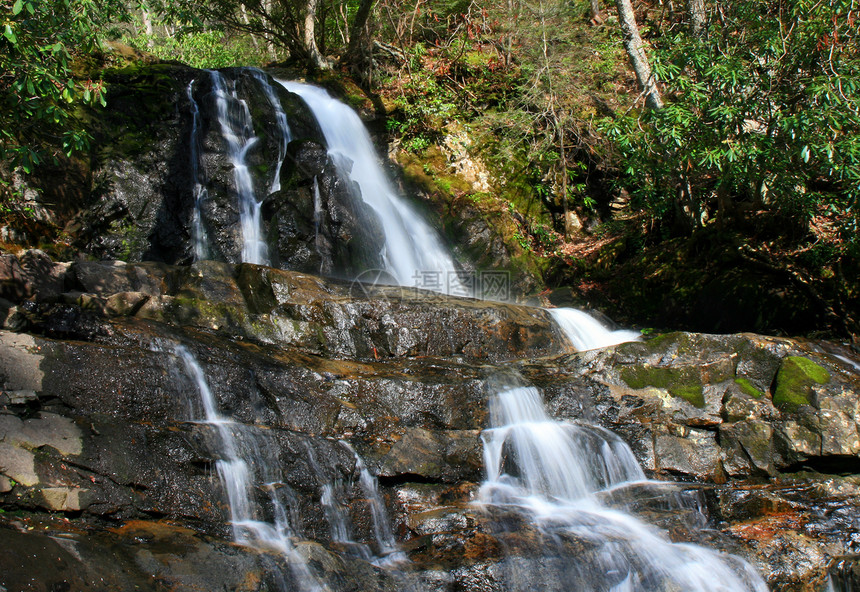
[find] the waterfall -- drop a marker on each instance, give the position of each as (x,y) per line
(389,551)
(234,117)
(317,216)
(283,128)
(586,332)
(240,450)
(551,473)
(414,254)
(413,250)
(198,233)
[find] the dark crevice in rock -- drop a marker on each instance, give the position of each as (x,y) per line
(837,464)
(405,478)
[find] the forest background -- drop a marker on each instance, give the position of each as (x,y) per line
(671,165)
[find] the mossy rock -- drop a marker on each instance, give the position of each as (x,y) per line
(684,383)
(747,388)
(794,381)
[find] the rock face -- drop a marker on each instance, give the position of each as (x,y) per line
(161,176)
(109,477)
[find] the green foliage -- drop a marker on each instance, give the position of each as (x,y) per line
(423,107)
(523,241)
(763,110)
(38,92)
(200,49)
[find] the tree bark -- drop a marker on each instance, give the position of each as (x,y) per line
(696,10)
(147,25)
(309,39)
(635,48)
(356,32)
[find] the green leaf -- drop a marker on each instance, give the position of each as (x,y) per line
(17,7)
(9,34)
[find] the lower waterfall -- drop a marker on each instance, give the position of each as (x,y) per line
(244,468)
(550,475)
(544,494)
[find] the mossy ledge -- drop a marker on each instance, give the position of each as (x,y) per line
(794,382)
(684,383)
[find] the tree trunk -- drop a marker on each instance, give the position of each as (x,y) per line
(636,52)
(314,56)
(696,10)
(357,37)
(147,26)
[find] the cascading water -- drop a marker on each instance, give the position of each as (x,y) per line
(201,249)
(241,451)
(550,473)
(237,129)
(389,550)
(414,254)
(586,332)
(317,214)
(283,129)
(413,250)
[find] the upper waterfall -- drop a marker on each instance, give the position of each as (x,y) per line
(412,247)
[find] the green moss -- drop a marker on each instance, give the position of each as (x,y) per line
(795,380)
(660,342)
(684,383)
(747,388)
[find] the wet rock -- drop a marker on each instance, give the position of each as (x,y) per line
(32,274)
(446,456)
(748,448)
(18,465)
(318,223)
(110,428)
(687,451)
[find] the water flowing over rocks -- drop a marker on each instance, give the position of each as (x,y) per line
(105,471)
(174,417)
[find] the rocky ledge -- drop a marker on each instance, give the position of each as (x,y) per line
(109,480)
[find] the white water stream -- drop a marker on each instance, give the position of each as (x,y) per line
(413,250)
(201,248)
(551,472)
(586,332)
(241,451)
(283,129)
(234,117)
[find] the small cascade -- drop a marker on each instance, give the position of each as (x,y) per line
(550,474)
(389,550)
(283,129)
(340,526)
(414,254)
(243,467)
(234,117)
(317,215)
(586,332)
(201,248)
